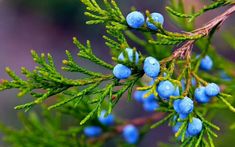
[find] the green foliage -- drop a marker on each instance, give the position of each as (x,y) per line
(191,17)
(84,98)
(46,132)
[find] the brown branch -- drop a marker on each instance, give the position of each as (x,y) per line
(186,47)
(118,128)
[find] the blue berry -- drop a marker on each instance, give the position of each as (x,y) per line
(212,89)
(106,120)
(150,106)
(183,107)
(195,127)
(92,131)
(176,105)
(138,96)
(121,71)
(157,17)
(206,63)
(130,54)
(186,105)
(135,19)
(151,67)
(165,89)
(131,134)
(200,95)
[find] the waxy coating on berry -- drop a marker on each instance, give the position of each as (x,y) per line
(150,106)
(92,131)
(186,106)
(151,67)
(200,95)
(131,134)
(130,53)
(121,71)
(135,19)
(106,120)
(212,89)
(206,63)
(157,17)
(165,89)
(194,127)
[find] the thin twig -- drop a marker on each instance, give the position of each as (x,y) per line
(118,129)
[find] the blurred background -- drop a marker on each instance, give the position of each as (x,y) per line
(49,25)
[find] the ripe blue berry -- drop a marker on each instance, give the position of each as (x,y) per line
(157,17)
(195,127)
(200,95)
(176,105)
(135,19)
(106,120)
(138,96)
(206,63)
(212,89)
(92,131)
(186,105)
(151,67)
(130,54)
(121,71)
(165,89)
(150,106)
(183,112)
(131,134)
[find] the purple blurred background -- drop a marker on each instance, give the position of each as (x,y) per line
(48,26)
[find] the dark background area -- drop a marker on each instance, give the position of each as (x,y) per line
(49,25)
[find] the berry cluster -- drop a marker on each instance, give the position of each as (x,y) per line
(163,89)
(136,20)
(121,71)
(193,128)
(204,94)
(130,132)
